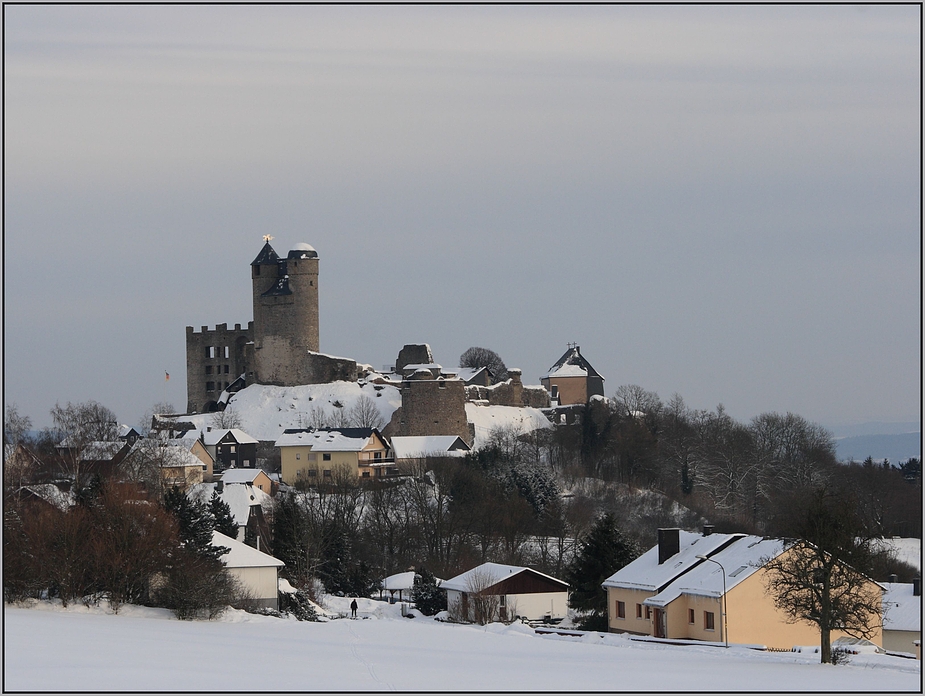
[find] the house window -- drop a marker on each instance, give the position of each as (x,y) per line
(365,474)
(621,609)
(312,457)
(298,456)
(326,456)
(312,473)
(708,624)
(638,611)
(690,616)
(648,613)
(298,473)
(246,462)
(327,473)
(377,455)
(555,391)
(503,599)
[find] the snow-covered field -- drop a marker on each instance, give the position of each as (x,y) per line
(89,649)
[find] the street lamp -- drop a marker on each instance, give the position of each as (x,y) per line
(725,624)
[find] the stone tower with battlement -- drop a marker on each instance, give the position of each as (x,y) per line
(285,312)
(280,346)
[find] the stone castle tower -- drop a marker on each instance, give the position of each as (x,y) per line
(280,346)
(285,311)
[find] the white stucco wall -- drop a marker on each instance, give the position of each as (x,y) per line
(261,582)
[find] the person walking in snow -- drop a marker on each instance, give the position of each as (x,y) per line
(353,609)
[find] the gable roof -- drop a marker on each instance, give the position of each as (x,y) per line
(235,475)
(645,573)
(331,440)
(214,436)
(902,608)
(102,451)
(241,555)
(240,498)
(489,574)
(413,446)
(399,581)
(572,364)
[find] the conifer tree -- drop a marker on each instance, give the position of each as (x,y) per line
(602,553)
(221,513)
(196,524)
(426,593)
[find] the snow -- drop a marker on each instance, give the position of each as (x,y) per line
(324,441)
(567,370)
(240,475)
(240,555)
(487,418)
(905,550)
(412,446)
(399,581)
(302,246)
(212,437)
(902,610)
(486,575)
(265,411)
(93,650)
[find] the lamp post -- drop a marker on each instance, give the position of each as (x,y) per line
(725,624)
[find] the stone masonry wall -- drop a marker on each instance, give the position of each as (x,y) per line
(432,407)
(214,359)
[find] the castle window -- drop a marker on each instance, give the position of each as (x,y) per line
(226,367)
(210,351)
(226,357)
(257,270)
(208,369)
(210,386)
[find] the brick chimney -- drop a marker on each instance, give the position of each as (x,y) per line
(669,543)
(708,529)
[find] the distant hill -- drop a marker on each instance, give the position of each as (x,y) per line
(896,448)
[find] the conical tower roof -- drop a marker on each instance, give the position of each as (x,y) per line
(266,256)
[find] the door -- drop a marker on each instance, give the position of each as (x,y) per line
(661,623)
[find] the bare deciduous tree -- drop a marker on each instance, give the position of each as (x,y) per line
(229,418)
(365,414)
(485,357)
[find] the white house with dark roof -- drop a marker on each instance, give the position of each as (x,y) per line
(517,592)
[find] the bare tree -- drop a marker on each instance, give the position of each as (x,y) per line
(15,426)
(484,606)
(229,418)
(79,425)
(818,579)
(160,466)
(365,414)
(485,357)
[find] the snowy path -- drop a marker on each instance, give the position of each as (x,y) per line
(146,649)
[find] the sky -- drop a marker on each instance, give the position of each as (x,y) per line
(720,202)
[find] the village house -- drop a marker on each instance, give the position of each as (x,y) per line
(257,478)
(902,615)
(198,450)
(247,505)
(257,572)
(493,591)
(230,447)
(406,449)
(313,456)
(171,460)
(572,379)
(677,590)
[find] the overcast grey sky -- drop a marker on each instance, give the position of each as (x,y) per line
(720,202)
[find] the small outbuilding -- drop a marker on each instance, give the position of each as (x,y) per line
(902,615)
(496,592)
(257,571)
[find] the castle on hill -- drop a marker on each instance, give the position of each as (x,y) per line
(280,346)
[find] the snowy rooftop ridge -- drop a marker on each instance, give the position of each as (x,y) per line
(241,555)
(902,609)
(488,574)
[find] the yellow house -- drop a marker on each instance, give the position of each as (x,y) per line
(671,592)
(315,456)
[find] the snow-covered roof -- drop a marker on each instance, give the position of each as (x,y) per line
(399,581)
(240,498)
(235,475)
(179,454)
(241,555)
(486,575)
(212,437)
(411,446)
(101,451)
(902,610)
(740,559)
(50,493)
(645,573)
(572,364)
(486,418)
(126,430)
(343,440)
